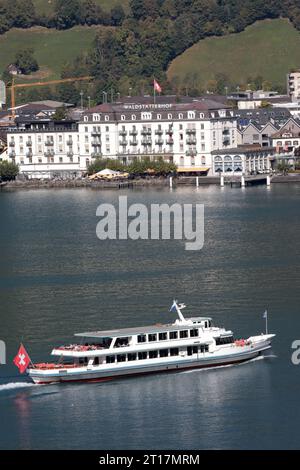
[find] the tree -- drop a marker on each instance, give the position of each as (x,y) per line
(60,114)
(117,15)
(8,170)
(67,13)
(26,61)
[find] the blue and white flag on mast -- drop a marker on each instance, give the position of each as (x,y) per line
(173,308)
(265,315)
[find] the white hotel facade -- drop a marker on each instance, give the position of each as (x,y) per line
(190,134)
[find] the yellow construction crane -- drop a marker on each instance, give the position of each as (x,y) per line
(27,85)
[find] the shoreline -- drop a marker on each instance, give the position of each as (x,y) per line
(139,183)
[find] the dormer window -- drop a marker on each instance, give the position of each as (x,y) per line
(191,115)
(96,117)
(106,118)
(133,117)
(85,118)
(169,116)
(122,117)
(147,116)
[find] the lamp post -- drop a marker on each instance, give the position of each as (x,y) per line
(81,99)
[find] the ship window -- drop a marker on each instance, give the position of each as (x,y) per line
(142,355)
(120,342)
(192,350)
(224,340)
(121,357)
(162,336)
(194,333)
(96,361)
(152,337)
(131,357)
(173,334)
(163,353)
(110,359)
(204,348)
(153,354)
(184,334)
(141,338)
(174,352)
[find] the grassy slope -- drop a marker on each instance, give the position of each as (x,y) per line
(52,48)
(46,6)
(268,48)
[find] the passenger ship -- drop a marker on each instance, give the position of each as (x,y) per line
(188,343)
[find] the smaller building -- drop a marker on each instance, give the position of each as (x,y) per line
(14,69)
(293,84)
(245,159)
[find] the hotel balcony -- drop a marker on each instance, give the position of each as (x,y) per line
(146,142)
(29,154)
(69,142)
(95,133)
(12,154)
(133,142)
(170,141)
(123,133)
(12,143)
(191,152)
(123,142)
(159,142)
(190,131)
(226,132)
(134,132)
(49,153)
(49,143)
(70,154)
(159,132)
(146,132)
(191,141)
(95,143)
(169,131)
(29,143)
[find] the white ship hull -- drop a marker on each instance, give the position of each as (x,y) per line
(224,356)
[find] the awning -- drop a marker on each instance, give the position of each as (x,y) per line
(188,169)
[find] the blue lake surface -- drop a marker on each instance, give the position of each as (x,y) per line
(57,278)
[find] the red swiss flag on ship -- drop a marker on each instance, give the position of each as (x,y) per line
(156,86)
(22,360)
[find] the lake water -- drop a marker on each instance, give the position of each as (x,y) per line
(57,278)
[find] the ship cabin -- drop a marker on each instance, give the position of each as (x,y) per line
(190,337)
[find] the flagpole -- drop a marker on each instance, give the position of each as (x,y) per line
(154,92)
(28,355)
(266,322)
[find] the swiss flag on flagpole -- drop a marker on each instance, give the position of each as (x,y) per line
(22,360)
(156,86)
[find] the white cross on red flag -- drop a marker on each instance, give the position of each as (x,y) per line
(22,360)
(157,86)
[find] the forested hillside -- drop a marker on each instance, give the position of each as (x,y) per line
(146,35)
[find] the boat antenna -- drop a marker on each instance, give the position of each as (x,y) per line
(177,308)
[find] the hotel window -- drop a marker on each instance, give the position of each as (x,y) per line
(141,338)
(163,353)
(174,351)
(21,138)
(202,136)
(169,116)
(39,149)
(203,147)
(107,149)
(194,333)
(122,117)
(202,128)
(60,138)
(60,149)
(159,116)
(86,148)
(39,138)
(107,138)
(180,116)
(22,161)
(180,127)
(106,118)
(162,336)
(142,355)
(21,149)
(87,161)
(86,138)
(183,334)
(153,354)
(40,160)
(106,128)
(121,357)
(60,159)
(152,337)
(133,117)
(85,118)
(173,334)
(86,129)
